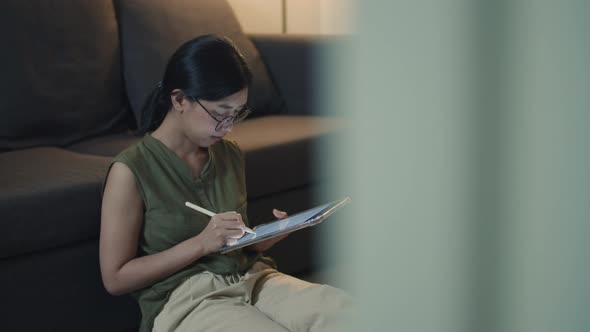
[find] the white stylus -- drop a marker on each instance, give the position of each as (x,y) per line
(211,214)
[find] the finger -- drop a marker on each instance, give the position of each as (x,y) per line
(230,224)
(279,214)
(234,233)
(281,237)
(223,217)
(231,216)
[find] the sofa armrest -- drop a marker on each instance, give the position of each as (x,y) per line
(293,65)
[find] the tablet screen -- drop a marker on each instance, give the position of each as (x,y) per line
(281,225)
(289,224)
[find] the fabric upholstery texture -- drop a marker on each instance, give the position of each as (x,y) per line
(61,290)
(59,85)
(107,145)
(298,85)
(151,32)
(49,198)
(281,150)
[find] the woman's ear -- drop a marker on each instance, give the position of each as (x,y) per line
(177,99)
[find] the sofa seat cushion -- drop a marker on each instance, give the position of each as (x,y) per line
(50,197)
(153,29)
(281,150)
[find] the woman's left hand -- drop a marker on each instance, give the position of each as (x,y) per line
(267,244)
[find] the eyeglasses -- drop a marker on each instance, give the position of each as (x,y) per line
(228,120)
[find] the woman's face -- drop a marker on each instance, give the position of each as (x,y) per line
(201,117)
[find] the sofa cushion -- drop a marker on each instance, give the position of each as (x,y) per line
(61,72)
(153,29)
(106,146)
(280,150)
(49,198)
(293,63)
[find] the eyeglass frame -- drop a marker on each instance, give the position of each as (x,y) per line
(225,122)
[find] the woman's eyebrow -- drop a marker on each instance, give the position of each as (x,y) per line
(229,107)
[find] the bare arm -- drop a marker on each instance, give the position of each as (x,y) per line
(121,221)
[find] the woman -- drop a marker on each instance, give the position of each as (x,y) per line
(165,254)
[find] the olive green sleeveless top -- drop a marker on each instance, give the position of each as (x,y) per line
(165,183)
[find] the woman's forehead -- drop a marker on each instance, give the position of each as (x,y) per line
(236,100)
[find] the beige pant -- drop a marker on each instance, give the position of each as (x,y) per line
(261,300)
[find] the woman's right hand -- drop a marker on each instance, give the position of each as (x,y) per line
(223,229)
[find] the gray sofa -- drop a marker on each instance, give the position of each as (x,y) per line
(74,76)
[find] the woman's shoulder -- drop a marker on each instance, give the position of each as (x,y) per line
(132,153)
(124,164)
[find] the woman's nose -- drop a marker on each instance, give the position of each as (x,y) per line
(228,128)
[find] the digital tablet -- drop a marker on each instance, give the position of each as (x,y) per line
(290,224)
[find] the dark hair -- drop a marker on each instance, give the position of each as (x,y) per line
(207,67)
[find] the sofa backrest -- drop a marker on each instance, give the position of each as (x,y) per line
(61,72)
(151,30)
(68,66)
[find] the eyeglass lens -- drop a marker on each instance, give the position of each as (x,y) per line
(230,120)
